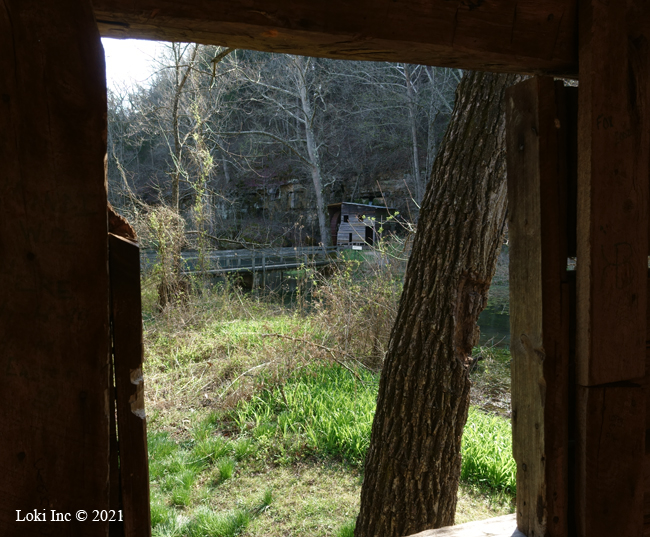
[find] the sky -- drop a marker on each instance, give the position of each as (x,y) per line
(129,61)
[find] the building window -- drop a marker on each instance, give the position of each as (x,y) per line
(346,218)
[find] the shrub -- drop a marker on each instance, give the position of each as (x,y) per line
(357,304)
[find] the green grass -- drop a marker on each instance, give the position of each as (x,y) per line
(347,530)
(211,449)
(253,434)
(326,412)
(226,469)
(487,452)
(180,473)
(206,522)
(322,410)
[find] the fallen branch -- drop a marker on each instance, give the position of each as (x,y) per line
(242,375)
(245,244)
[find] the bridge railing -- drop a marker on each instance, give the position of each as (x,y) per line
(229,261)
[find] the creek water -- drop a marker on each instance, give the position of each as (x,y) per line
(494,320)
(495,327)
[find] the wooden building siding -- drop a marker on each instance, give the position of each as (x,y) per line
(356,224)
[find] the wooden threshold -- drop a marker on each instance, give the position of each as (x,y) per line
(503,526)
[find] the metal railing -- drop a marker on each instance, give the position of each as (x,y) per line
(263,260)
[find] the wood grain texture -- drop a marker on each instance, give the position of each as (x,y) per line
(115,527)
(610,454)
(126,322)
(53,267)
(503,526)
(614,143)
(508,35)
(645,385)
(539,303)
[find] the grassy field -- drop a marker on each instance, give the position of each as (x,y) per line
(260,415)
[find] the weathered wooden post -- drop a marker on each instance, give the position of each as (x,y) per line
(128,355)
(603,494)
(612,266)
(538,134)
(254,284)
(54,318)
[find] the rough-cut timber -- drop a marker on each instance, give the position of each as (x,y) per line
(506,35)
(614,149)
(126,322)
(645,384)
(537,144)
(610,455)
(53,267)
(413,463)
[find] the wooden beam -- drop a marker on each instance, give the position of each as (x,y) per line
(536,121)
(534,36)
(614,151)
(612,266)
(54,372)
(610,455)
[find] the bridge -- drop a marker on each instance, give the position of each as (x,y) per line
(254,261)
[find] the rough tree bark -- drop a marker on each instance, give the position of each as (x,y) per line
(413,464)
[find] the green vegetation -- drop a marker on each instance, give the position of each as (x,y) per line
(487,452)
(260,416)
(184,475)
(321,410)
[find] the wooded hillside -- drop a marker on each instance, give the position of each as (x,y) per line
(258,142)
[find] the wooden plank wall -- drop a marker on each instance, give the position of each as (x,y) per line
(537,134)
(54,339)
(354,225)
(645,384)
(613,151)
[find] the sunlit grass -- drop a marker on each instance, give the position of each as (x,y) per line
(487,452)
(253,431)
(321,410)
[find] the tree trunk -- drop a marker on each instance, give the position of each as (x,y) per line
(410,99)
(180,79)
(312,149)
(413,464)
